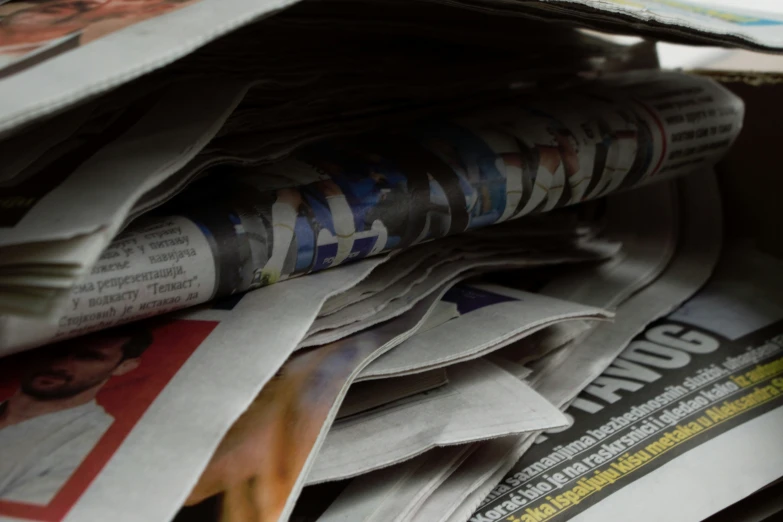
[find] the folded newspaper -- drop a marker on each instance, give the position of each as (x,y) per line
(565,372)
(694,399)
(93,47)
(370,446)
(560,376)
(160,161)
(338,201)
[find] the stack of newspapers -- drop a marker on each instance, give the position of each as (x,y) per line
(374,261)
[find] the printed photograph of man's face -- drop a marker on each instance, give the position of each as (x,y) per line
(52,420)
(67,409)
(32,31)
(80,367)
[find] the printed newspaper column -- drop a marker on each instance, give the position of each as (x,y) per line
(152,270)
(172,258)
(691,122)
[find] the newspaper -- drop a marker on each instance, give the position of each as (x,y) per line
(95,415)
(157,268)
(671,415)
(566,372)
(123,46)
(442,312)
(104,45)
(589,251)
(647,222)
(362,397)
(294,412)
(318,86)
(415,283)
(410,267)
(486,466)
(398,267)
(480,402)
(129,283)
(322,87)
(698,252)
(491,316)
(145,41)
(409,484)
(299,75)
(699,240)
(678,19)
(537,345)
(644,220)
(345,199)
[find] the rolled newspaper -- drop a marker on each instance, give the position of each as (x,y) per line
(338,201)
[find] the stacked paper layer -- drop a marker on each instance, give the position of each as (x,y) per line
(243,225)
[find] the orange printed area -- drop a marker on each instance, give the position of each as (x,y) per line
(26,27)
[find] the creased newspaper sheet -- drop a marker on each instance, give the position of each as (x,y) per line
(345,199)
(87,421)
(566,372)
(698,252)
(461,253)
(93,47)
(534,232)
(491,316)
(363,397)
(594,250)
(462,491)
(644,220)
(480,402)
(486,466)
(109,297)
(408,485)
(419,259)
(288,422)
(677,18)
(693,400)
(130,39)
(648,221)
(469,251)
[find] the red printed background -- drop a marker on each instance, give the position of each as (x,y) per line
(125,397)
